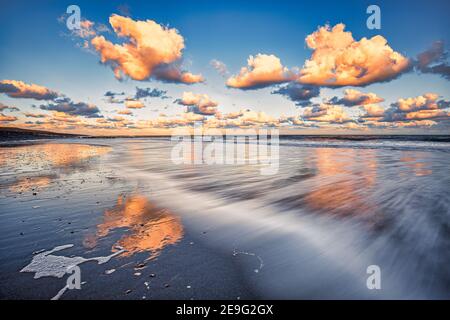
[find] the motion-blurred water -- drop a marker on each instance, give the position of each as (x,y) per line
(334,208)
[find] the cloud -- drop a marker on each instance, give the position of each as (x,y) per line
(112,96)
(373,111)
(134,104)
(231,115)
(339,60)
(125,112)
(300,94)
(245,118)
(186,119)
(262,70)
(426,114)
(326,113)
(220,67)
(249,118)
(114,122)
(58,120)
(151,93)
(198,103)
(116,119)
(419,123)
(34,115)
(64,117)
(19,89)
(426,106)
(173,73)
(295,121)
(73,108)
(4,118)
(86,29)
(354,97)
(4,107)
(434,60)
(428,101)
(422,111)
(153,50)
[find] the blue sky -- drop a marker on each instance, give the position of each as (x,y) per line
(38,49)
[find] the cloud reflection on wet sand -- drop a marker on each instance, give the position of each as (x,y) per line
(339,185)
(150,228)
(34,167)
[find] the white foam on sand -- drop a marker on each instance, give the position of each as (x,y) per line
(45,264)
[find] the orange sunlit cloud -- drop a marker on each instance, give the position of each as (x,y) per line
(152,51)
(20,89)
(339,60)
(262,70)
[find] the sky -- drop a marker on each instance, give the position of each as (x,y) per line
(148,67)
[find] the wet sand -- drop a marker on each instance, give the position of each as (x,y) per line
(57,193)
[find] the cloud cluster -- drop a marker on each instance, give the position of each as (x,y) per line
(152,51)
(339,60)
(245,118)
(19,89)
(198,103)
(428,101)
(56,120)
(424,107)
(141,93)
(326,113)
(354,97)
(34,115)
(57,102)
(419,123)
(186,119)
(250,118)
(262,70)
(70,107)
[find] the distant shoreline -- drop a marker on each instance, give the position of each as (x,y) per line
(17,134)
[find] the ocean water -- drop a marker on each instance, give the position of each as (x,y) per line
(333,208)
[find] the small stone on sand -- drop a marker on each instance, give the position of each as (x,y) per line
(139,266)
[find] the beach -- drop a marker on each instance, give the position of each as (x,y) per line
(202,231)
